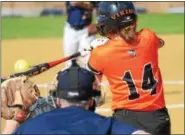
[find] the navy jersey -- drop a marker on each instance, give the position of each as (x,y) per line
(73,120)
(78,16)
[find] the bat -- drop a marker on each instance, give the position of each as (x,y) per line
(40,68)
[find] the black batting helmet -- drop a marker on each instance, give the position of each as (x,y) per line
(113,15)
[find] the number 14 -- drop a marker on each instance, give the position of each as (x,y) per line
(148,82)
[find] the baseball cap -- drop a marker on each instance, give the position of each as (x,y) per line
(75,83)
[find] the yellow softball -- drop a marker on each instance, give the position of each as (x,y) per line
(21,65)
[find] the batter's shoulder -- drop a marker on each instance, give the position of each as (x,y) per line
(147,31)
(98,46)
(101,47)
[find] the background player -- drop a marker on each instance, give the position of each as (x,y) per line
(78,31)
(131,68)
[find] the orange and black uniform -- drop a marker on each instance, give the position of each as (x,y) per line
(132,71)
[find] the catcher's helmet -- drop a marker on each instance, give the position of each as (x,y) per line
(113,15)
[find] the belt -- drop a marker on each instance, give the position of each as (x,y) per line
(127,110)
(77,27)
(133,114)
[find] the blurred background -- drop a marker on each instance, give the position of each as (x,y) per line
(34,31)
(56,8)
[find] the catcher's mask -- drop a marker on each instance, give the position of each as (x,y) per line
(115,15)
(75,84)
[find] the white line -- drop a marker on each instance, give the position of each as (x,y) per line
(175,106)
(170,106)
(172,82)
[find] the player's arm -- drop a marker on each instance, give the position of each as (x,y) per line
(94,63)
(19,130)
(10,126)
(159,41)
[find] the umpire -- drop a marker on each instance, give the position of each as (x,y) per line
(74,94)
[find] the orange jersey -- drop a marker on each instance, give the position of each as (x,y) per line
(132,72)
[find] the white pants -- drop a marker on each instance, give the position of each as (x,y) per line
(75,40)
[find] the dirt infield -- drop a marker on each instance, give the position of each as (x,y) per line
(41,50)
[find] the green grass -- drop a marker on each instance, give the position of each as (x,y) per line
(32,27)
(163,23)
(37,27)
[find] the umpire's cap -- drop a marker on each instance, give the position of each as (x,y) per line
(75,84)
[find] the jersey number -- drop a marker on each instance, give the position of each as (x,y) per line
(148,82)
